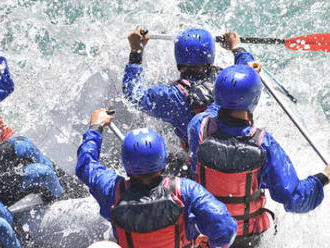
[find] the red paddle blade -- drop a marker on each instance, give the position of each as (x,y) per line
(310,42)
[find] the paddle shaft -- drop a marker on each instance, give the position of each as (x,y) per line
(25,204)
(116,131)
(294,121)
(253,40)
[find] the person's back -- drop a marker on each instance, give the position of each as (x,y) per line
(177,102)
(149,210)
(247,159)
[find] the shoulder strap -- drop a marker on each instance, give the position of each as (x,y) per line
(121,188)
(173,184)
(208,127)
(257,135)
(184,86)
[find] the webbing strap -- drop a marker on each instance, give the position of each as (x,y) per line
(227,199)
(254,214)
(172,187)
(177,236)
(203,179)
(129,239)
(247,203)
(258,136)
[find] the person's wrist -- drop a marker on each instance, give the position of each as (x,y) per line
(135,57)
(327,175)
(96,127)
(238,50)
(323,177)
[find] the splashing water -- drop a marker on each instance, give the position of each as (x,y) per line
(67,58)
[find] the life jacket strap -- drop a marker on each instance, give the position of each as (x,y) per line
(129,239)
(227,199)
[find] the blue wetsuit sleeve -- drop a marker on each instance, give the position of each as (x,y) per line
(212,110)
(243,57)
(194,132)
(279,176)
(6,83)
(210,216)
(24,148)
(5,213)
(100,180)
(166,102)
(7,234)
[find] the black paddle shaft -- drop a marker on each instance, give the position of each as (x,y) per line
(254,40)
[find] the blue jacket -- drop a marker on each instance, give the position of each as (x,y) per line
(164,101)
(37,172)
(277,174)
(201,208)
(6,83)
(7,234)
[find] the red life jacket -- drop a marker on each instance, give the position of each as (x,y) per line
(5,132)
(150,220)
(228,167)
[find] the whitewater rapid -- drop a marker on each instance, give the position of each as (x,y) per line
(67,58)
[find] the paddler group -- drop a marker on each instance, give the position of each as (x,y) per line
(220,202)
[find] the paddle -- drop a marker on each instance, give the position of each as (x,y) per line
(309,42)
(27,203)
(293,120)
(111,110)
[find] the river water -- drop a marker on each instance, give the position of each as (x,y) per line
(67,58)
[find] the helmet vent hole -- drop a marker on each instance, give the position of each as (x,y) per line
(148,144)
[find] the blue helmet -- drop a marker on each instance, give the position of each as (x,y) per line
(238,87)
(143,152)
(194,47)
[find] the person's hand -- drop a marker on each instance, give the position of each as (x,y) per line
(101,117)
(201,241)
(137,41)
(255,65)
(327,171)
(231,41)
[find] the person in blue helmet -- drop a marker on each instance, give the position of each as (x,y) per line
(147,209)
(24,169)
(177,102)
(236,161)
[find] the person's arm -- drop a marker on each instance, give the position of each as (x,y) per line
(5,213)
(166,102)
(211,216)
(279,176)
(195,136)
(233,43)
(162,101)
(24,148)
(7,234)
(6,83)
(100,180)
